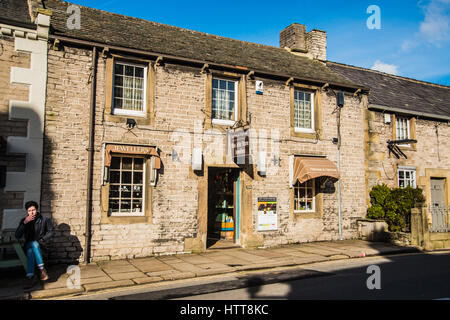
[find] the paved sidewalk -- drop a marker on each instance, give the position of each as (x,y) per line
(132,272)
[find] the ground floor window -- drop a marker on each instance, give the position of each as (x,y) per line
(304,196)
(406,177)
(127,188)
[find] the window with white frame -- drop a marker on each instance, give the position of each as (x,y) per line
(224,101)
(401,128)
(129,88)
(304,196)
(303,111)
(406,177)
(127,187)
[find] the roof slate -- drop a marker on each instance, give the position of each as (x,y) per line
(398,92)
(128,32)
(15,11)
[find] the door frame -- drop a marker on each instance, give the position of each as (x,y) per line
(237,196)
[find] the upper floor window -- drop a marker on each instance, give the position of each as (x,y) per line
(303,111)
(224,101)
(129,83)
(402,128)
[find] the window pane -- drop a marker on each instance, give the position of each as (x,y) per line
(114,191)
(215,83)
(118,80)
(114,205)
(137,205)
(222,85)
(118,68)
(118,103)
(125,192)
(139,72)
(127,163)
(126,177)
(125,206)
(118,92)
(115,163)
(138,164)
(137,192)
(129,71)
(137,178)
(114,177)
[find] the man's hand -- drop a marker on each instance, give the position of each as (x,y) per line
(28,219)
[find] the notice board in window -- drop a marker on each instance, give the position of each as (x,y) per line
(267,214)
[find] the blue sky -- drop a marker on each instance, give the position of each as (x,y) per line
(413,41)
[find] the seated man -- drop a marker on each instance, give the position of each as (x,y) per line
(36,229)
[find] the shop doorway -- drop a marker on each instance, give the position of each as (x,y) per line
(223,207)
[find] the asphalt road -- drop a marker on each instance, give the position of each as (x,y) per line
(408,276)
(417,276)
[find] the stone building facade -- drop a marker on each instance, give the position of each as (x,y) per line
(401,109)
(147,179)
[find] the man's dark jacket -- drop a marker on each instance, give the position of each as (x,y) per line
(42,231)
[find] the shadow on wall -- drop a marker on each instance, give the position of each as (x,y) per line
(64,248)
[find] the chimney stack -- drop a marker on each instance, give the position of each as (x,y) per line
(312,44)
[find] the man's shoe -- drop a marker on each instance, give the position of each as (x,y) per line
(31,282)
(43,274)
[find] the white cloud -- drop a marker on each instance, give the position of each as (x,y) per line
(436,26)
(384,67)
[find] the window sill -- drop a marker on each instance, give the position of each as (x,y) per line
(407,147)
(121,215)
(128,113)
(307,215)
(223,122)
(305,135)
(120,118)
(301,130)
(120,220)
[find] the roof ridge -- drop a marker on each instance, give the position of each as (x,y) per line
(391,75)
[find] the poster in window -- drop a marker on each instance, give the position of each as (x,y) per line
(267,214)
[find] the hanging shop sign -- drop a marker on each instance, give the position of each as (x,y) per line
(267,214)
(240,145)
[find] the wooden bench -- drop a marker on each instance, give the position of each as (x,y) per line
(21,257)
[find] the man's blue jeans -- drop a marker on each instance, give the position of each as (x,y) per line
(34,257)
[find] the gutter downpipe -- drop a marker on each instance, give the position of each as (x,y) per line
(339,170)
(90,149)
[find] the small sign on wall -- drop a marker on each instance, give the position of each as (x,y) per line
(267,214)
(259,87)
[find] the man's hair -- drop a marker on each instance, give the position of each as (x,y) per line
(31,204)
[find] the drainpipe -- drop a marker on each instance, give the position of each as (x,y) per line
(90,149)
(339,170)
(340,104)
